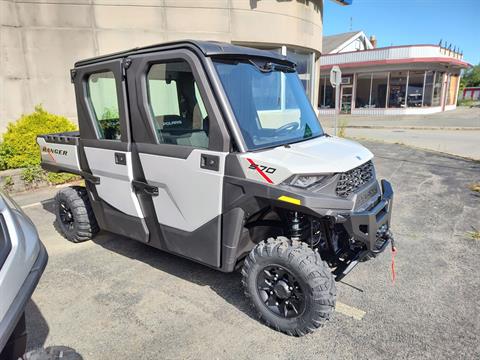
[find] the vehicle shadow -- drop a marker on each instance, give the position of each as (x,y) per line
(226,285)
(37,326)
(37,332)
(49,205)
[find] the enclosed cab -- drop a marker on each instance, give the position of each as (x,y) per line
(213,152)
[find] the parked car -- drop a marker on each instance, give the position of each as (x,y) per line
(213,152)
(22,261)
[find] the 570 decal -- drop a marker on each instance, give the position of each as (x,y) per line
(262,170)
(268,170)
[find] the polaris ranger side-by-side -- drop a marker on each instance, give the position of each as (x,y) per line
(213,152)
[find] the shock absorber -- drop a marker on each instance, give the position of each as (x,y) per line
(299,226)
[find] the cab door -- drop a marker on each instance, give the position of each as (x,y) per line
(181,145)
(105,147)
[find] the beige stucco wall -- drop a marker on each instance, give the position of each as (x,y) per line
(41,39)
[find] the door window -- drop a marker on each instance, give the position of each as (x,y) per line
(102,94)
(177,108)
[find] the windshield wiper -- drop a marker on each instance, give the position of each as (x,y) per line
(269,67)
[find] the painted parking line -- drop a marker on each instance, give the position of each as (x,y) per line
(36,204)
(350,311)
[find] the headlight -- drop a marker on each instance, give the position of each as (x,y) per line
(305,181)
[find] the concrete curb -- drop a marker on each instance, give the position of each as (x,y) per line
(12,183)
(459,157)
(384,127)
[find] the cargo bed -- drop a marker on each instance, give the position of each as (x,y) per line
(59,152)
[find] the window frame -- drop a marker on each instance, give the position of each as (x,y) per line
(219,139)
(150,104)
(86,113)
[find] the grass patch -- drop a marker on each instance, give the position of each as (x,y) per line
(8,183)
(468,102)
(341,130)
(61,178)
(475,187)
(474,234)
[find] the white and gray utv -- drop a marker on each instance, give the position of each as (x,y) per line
(213,152)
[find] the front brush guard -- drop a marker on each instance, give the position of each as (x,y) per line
(372,226)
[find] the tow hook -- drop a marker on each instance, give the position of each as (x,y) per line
(384,235)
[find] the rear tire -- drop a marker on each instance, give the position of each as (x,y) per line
(289,285)
(75,219)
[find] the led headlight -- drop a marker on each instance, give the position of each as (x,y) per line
(305,181)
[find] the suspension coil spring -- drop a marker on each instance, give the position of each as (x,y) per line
(299,226)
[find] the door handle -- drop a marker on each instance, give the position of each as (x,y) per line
(210,162)
(144,187)
(120,158)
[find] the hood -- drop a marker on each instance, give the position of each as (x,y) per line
(316,156)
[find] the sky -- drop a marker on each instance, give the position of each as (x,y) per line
(406,22)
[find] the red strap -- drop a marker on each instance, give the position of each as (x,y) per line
(394,252)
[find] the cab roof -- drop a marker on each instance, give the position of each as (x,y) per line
(207,48)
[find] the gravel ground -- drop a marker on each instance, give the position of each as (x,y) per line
(114,298)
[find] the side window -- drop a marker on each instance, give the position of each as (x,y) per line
(177,108)
(102,93)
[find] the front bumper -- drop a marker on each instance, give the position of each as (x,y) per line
(14,313)
(371,227)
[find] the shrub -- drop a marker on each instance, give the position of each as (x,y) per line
(32,174)
(18,148)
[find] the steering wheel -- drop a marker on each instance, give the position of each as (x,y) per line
(290,126)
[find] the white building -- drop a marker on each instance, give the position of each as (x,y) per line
(411,79)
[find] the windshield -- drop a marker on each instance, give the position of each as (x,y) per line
(269,103)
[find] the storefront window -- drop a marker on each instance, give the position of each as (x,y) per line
(321,92)
(326,97)
(452,90)
(437,88)
(415,88)
(398,83)
(428,92)
(304,61)
(362,92)
(379,90)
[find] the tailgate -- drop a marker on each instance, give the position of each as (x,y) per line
(59,152)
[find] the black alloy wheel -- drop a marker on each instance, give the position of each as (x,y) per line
(289,285)
(280,291)
(75,219)
(65,214)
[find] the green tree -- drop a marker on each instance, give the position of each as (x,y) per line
(471,77)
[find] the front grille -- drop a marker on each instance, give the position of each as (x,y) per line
(350,181)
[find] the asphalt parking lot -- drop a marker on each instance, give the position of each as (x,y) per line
(114,298)
(455,132)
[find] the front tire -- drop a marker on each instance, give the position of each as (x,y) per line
(289,285)
(75,220)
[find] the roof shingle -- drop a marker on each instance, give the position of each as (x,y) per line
(331,42)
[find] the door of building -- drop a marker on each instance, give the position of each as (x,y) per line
(346,99)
